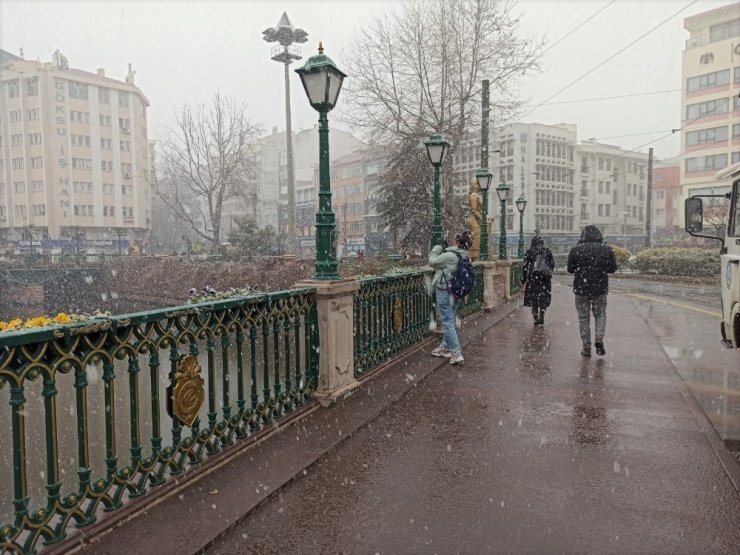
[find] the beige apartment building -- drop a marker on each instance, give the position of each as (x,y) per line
(710,107)
(74,154)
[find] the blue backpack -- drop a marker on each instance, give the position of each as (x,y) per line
(463,280)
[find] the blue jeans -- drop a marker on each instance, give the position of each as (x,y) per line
(597,305)
(446,307)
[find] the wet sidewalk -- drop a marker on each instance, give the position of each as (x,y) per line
(527,448)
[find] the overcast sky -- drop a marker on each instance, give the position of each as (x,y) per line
(184,51)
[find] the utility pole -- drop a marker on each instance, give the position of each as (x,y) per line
(285,34)
(649,200)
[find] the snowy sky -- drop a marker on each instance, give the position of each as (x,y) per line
(184,51)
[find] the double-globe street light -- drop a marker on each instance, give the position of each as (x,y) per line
(437,149)
(322,81)
(521,204)
(503,191)
(484,178)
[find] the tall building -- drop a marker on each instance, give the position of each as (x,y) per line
(666,195)
(613,191)
(710,107)
(74,155)
(537,162)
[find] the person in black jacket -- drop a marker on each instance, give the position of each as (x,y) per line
(538,280)
(591,261)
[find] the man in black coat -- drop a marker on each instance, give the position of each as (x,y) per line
(591,261)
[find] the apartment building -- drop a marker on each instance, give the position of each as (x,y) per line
(710,106)
(666,195)
(74,154)
(613,190)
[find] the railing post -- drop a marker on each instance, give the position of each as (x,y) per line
(335,307)
(504,266)
(490,298)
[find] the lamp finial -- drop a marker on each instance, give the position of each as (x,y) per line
(321,47)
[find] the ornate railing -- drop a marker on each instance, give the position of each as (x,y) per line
(473,302)
(515,281)
(391,313)
(94,414)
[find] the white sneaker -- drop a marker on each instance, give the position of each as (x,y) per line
(457,359)
(458,323)
(440,352)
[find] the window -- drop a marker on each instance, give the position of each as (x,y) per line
(608,165)
(37,186)
(711,107)
(124,124)
(126,146)
(708,80)
(32,114)
(724,30)
(607,187)
(659,194)
(106,144)
(737,75)
(34,138)
(20,211)
(123,99)
(79,117)
(736,131)
(37,162)
(82,186)
(601,210)
(106,121)
(14,88)
(108,211)
(615,196)
(32,86)
(607,209)
(107,188)
(601,163)
(703,136)
(82,163)
(735,157)
(107,166)
(706,163)
(127,189)
(15,115)
(19,186)
(39,209)
(78,90)
(18,164)
(103,95)
(16,139)
(601,186)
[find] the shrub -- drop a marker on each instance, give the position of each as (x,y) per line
(678,262)
(622,254)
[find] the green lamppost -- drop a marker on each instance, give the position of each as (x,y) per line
(503,195)
(437,149)
(484,178)
(322,81)
(521,204)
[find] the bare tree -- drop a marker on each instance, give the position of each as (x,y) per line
(715,215)
(207,160)
(418,71)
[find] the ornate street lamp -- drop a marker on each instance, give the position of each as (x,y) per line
(437,149)
(521,204)
(322,81)
(484,178)
(503,191)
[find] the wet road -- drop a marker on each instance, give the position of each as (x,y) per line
(529,448)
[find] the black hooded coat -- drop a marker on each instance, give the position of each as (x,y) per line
(591,261)
(538,287)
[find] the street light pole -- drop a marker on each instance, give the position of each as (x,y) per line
(322,81)
(521,203)
(503,194)
(437,149)
(484,178)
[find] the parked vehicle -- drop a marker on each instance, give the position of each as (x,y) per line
(729,252)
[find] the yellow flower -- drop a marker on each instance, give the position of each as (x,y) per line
(62,318)
(15,324)
(37,322)
(3,326)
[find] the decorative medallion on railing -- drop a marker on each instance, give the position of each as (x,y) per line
(187,393)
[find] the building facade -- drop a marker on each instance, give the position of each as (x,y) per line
(74,156)
(666,195)
(710,107)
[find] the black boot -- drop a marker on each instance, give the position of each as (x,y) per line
(541,319)
(536,316)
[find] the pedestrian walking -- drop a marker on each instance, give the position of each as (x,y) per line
(537,278)
(591,261)
(445,261)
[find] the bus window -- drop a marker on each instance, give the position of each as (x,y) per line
(734,229)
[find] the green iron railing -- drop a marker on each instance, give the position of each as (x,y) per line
(391,313)
(84,424)
(473,302)
(515,281)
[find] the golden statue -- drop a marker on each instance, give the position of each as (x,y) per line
(133,249)
(475,203)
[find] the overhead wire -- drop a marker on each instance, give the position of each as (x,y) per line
(597,66)
(574,29)
(594,99)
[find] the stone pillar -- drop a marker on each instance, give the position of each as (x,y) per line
(335,307)
(504,266)
(489,289)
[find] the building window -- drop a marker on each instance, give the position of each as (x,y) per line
(108,188)
(34,138)
(124,124)
(601,210)
(16,139)
(18,164)
(32,86)
(37,162)
(14,88)
(708,108)
(32,114)
(106,121)
(107,144)
(601,163)
(103,95)
(39,209)
(724,30)
(15,115)
(108,211)
(123,99)
(20,211)
(82,163)
(615,196)
(37,186)
(19,186)
(708,80)
(601,186)
(607,187)
(703,136)
(78,90)
(706,163)
(107,166)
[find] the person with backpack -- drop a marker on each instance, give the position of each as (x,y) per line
(452,280)
(591,261)
(537,278)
